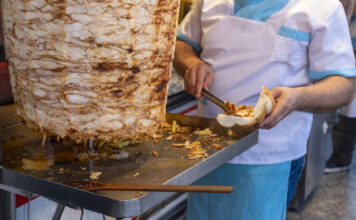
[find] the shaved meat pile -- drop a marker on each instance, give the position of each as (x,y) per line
(242,111)
(90,69)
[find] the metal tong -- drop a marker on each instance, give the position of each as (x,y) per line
(216,101)
(213,99)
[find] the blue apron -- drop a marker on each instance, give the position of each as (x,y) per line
(260,193)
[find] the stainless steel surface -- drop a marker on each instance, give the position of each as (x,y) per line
(171,166)
(215,100)
(8,116)
(319,143)
(175,209)
(7,205)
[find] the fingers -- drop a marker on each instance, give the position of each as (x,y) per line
(285,104)
(278,113)
(208,81)
(186,80)
(189,80)
(276,92)
(198,77)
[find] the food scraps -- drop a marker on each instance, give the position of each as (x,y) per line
(230,132)
(195,149)
(177,137)
(207,131)
(174,127)
(216,146)
(95,175)
(154,153)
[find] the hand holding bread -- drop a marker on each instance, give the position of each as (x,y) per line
(287,100)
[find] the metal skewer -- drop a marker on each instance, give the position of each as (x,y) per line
(91,145)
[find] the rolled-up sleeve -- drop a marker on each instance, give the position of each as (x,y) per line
(189,30)
(330,51)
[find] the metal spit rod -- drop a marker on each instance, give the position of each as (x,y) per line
(90,145)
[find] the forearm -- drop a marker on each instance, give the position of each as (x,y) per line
(185,57)
(326,95)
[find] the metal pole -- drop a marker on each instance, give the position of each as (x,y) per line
(59,211)
(7,205)
(91,145)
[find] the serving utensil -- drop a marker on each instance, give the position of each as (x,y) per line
(213,98)
(216,101)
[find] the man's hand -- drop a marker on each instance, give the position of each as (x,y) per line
(287,100)
(326,95)
(197,73)
(198,77)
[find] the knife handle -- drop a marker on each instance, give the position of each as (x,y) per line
(161,188)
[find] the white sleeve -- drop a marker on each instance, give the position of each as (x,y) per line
(330,50)
(189,30)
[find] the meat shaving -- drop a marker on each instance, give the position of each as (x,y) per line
(242,110)
(95,175)
(154,153)
(213,139)
(195,149)
(216,146)
(230,132)
(174,127)
(178,137)
(184,129)
(207,131)
(166,125)
(139,194)
(157,135)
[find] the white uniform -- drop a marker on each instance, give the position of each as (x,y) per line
(273,43)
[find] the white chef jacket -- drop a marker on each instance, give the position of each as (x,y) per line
(250,43)
(350,109)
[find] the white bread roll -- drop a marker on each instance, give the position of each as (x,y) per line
(263,107)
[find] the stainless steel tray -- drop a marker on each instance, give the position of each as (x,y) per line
(171,166)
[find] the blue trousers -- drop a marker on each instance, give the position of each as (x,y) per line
(260,193)
(296,172)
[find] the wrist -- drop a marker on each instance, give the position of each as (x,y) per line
(194,62)
(300,98)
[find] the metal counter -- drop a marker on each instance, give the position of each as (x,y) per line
(170,166)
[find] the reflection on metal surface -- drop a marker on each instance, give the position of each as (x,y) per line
(40,164)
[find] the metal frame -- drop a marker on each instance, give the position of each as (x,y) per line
(74,197)
(8,205)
